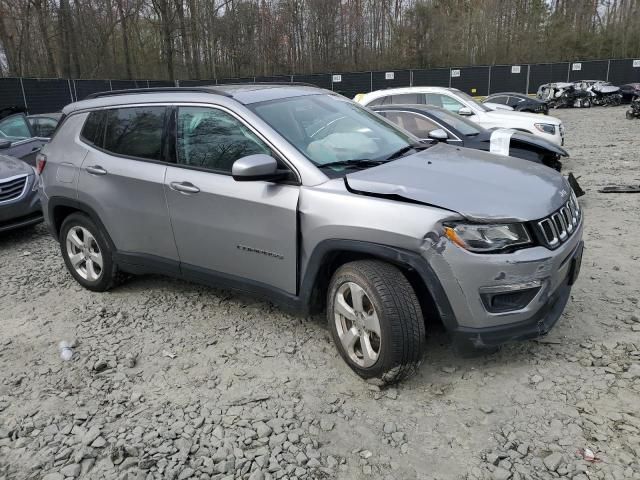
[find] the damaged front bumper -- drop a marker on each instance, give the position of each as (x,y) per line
(502,298)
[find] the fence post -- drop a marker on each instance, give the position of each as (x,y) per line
(489,82)
(371,81)
(110,86)
(608,67)
(411,78)
(449,77)
(528,73)
(24,97)
(569,71)
(70,91)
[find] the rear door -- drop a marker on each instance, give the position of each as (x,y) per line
(122,180)
(246,231)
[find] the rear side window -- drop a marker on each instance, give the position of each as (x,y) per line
(408,99)
(93,129)
(135,132)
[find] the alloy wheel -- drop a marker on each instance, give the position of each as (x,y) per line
(357,324)
(84,253)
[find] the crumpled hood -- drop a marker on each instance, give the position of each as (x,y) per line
(479,185)
(10,167)
(506,116)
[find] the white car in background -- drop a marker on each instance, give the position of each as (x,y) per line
(452,99)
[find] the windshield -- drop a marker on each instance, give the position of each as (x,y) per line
(464,126)
(469,99)
(14,128)
(328,129)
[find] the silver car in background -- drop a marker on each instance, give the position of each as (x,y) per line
(302,196)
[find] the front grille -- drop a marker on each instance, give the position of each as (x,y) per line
(12,188)
(560,225)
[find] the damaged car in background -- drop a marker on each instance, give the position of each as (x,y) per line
(518,102)
(300,195)
(602,93)
(427,122)
(456,101)
(634,108)
(563,95)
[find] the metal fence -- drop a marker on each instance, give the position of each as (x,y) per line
(40,95)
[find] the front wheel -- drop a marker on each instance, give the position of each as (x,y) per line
(375,320)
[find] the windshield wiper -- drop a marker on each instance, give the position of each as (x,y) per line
(408,148)
(354,162)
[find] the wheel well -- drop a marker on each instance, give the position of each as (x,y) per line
(335,260)
(60,212)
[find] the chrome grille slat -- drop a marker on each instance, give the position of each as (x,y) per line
(558,227)
(13,188)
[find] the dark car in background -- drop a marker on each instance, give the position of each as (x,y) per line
(427,122)
(17,139)
(629,91)
(44,124)
(19,200)
(519,102)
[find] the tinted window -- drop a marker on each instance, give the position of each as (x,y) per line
(93,129)
(14,128)
(461,124)
(419,125)
(376,102)
(500,99)
(135,132)
(408,99)
(444,101)
(46,126)
(210,138)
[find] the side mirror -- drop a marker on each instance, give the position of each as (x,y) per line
(465,111)
(4,144)
(257,167)
(438,134)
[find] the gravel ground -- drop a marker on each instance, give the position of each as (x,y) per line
(172,380)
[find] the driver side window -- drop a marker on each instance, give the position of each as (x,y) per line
(212,139)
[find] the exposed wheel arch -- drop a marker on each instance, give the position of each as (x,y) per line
(331,254)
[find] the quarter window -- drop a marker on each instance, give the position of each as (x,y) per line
(93,129)
(213,139)
(135,132)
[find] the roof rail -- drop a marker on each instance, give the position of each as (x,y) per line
(135,91)
(294,84)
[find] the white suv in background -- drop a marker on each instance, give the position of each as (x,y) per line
(461,103)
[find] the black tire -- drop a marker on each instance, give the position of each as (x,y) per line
(629,115)
(402,330)
(108,273)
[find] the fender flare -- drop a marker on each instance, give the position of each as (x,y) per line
(55,202)
(397,256)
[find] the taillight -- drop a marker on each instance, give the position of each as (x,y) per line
(41,161)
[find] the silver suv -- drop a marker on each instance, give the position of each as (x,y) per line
(302,196)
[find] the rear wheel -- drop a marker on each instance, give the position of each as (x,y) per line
(375,320)
(86,253)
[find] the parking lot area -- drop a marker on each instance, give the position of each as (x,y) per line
(172,380)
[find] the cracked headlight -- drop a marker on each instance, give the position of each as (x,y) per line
(546,128)
(488,238)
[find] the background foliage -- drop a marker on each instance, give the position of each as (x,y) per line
(233,38)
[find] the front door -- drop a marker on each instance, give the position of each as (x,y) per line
(246,231)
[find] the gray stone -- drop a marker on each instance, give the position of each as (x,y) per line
(91,435)
(186,473)
(256,475)
(72,470)
(501,474)
(263,429)
(553,461)
(389,427)
(326,425)
(53,476)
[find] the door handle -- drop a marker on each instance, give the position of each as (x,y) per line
(96,170)
(184,187)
